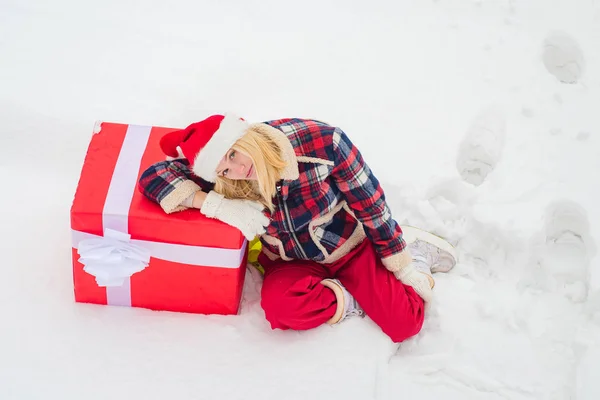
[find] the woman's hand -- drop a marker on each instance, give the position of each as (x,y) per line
(245,215)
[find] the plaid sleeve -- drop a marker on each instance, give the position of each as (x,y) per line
(169,183)
(365,197)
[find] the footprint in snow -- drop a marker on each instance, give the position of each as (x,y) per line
(562,57)
(481,148)
(565,255)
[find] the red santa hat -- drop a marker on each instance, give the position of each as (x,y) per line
(204,143)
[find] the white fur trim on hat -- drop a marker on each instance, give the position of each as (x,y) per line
(230,130)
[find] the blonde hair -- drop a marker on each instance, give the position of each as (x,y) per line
(268,164)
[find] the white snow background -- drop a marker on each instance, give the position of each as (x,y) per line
(428,90)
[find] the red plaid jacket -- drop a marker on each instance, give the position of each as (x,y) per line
(326,205)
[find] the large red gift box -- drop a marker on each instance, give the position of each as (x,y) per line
(127,251)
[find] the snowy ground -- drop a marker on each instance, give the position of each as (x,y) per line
(417,85)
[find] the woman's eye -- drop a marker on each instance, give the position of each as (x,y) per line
(225,172)
(232,154)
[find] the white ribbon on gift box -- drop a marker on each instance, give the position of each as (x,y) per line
(112,258)
(115,257)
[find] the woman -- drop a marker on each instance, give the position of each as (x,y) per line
(331,248)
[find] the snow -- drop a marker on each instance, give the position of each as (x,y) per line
(519,316)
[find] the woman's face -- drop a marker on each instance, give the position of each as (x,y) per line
(235,165)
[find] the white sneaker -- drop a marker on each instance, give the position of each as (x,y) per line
(430,253)
(350,306)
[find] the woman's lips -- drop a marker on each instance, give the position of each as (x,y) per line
(249,172)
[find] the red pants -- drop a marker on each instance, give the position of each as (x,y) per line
(294,298)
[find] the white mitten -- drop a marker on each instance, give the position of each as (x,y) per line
(419,281)
(245,215)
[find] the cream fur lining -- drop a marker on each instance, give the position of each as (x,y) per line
(320,221)
(273,241)
(172,202)
(287,150)
(269,254)
(340,300)
(354,240)
(397,261)
(315,160)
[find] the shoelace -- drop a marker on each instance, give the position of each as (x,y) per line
(425,253)
(355,310)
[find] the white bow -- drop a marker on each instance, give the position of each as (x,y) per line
(112,258)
